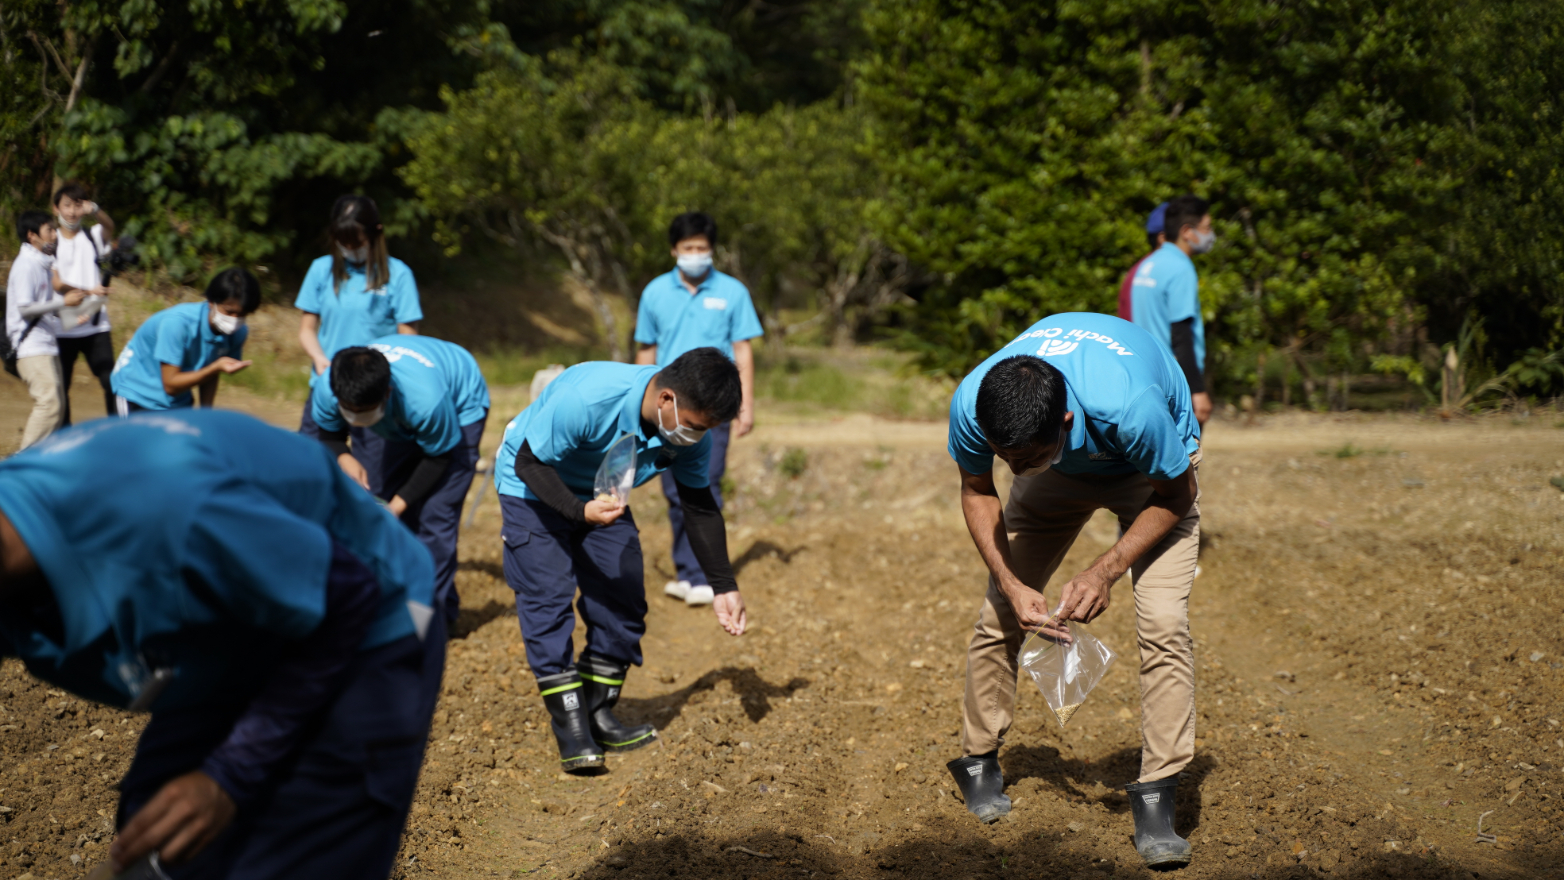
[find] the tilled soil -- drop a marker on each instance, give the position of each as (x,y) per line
(1380,667)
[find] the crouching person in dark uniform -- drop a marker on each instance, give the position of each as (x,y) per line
(558,536)
(230,578)
(426,400)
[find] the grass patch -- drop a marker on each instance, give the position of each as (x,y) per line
(793,463)
(1352,450)
(865,380)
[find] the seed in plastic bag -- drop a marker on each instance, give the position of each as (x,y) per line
(607,498)
(1065,712)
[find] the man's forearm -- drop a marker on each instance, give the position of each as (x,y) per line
(1159,517)
(986,523)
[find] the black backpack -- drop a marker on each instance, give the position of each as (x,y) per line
(8,351)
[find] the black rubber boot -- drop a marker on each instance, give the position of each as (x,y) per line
(601,679)
(567,709)
(982,786)
(1152,803)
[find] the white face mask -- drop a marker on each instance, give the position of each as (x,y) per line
(695,265)
(1058,457)
(363,419)
(1204,241)
(227,325)
(678,435)
(359,254)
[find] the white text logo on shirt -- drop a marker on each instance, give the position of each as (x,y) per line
(395,353)
(717,303)
(1070,340)
(1143,276)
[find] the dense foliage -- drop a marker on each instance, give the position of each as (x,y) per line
(1383,173)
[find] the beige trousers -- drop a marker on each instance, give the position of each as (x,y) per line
(42,375)
(1043,516)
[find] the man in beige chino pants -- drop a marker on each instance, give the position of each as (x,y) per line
(1089,412)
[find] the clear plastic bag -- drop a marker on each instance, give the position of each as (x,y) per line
(616,475)
(1065,667)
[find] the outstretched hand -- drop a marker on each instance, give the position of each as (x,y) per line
(602,513)
(729,608)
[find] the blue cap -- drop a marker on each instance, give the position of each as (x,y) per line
(1154,222)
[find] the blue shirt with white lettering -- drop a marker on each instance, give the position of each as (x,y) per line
(718,314)
(436,389)
(579,415)
(1129,397)
(202,544)
(354,315)
(1164,291)
(181,335)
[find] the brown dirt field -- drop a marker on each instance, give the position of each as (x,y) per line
(1379,653)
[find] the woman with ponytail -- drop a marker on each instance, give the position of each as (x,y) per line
(355,294)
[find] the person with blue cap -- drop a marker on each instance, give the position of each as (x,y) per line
(1164,292)
(560,534)
(354,295)
(227,577)
(695,306)
(187,347)
(427,400)
(1089,412)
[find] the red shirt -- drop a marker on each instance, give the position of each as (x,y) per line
(1127,292)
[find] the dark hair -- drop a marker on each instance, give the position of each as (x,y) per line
(1151,240)
(32,222)
(1183,211)
(360,376)
(235,284)
(691,224)
(706,381)
(1021,403)
(73,188)
(357,218)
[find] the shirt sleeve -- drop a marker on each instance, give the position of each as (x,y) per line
(1183,295)
(1148,437)
(173,338)
(308,299)
(404,297)
(323,405)
(966,444)
(746,323)
(646,319)
(692,467)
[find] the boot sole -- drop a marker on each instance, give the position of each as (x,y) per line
(1168,860)
(581,762)
(632,745)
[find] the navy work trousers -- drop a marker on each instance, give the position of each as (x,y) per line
(546,557)
(436,518)
(337,806)
(368,447)
(683,557)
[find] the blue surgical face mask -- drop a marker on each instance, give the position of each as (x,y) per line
(695,265)
(678,435)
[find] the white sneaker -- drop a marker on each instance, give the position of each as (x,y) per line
(677,589)
(701,595)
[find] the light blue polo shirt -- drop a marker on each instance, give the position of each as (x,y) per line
(1166,290)
(718,314)
(578,416)
(181,335)
(436,388)
(202,544)
(1129,397)
(352,315)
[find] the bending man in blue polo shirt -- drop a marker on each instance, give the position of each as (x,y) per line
(229,578)
(558,536)
(1164,293)
(1089,412)
(188,346)
(695,306)
(427,399)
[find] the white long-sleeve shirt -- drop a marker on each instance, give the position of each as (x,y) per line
(29,291)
